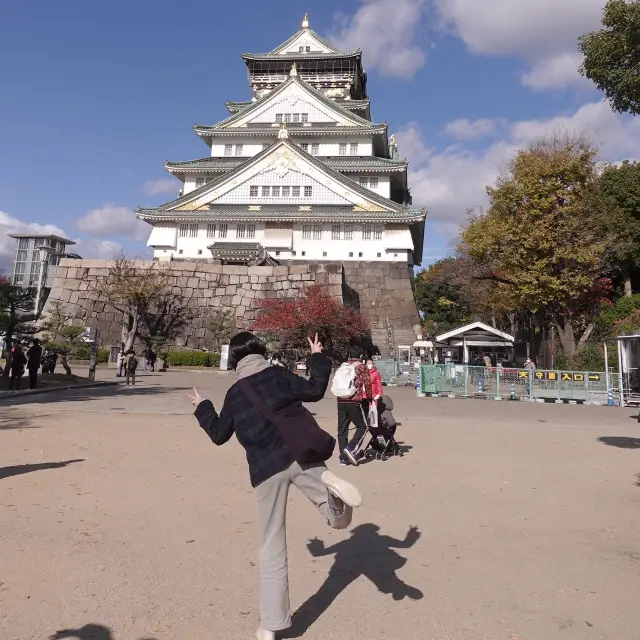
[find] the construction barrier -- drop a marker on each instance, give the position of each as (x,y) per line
(582,387)
(389,370)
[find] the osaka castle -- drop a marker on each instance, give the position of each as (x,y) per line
(299,172)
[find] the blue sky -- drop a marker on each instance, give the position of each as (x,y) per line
(97,95)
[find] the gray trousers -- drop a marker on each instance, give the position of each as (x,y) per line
(275,608)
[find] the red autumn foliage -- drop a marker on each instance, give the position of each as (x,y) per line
(292,320)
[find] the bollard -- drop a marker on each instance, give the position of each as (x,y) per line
(512,394)
(610,402)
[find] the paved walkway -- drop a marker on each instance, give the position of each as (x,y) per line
(504,521)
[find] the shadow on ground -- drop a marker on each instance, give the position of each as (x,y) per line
(87,394)
(88,632)
(620,442)
(366,553)
(19,469)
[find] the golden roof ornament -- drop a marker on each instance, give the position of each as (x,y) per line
(305,21)
(283,134)
(392,140)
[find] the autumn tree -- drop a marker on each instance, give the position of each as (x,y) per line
(17,315)
(132,288)
(313,310)
(60,336)
(541,242)
(612,55)
(617,199)
(221,326)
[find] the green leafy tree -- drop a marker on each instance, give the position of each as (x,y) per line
(60,336)
(221,326)
(17,315)
(612,55)
(541,242)
(618,200)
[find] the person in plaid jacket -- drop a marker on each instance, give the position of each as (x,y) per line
(272,465)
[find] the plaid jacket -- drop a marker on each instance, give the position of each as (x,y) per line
(278,387)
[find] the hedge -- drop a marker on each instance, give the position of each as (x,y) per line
(193,359)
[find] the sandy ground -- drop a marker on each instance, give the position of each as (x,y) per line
(528,524)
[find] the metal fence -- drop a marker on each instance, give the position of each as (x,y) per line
(389,371)
(519,384)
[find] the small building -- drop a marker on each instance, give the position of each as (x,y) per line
(466,344)
(36,260)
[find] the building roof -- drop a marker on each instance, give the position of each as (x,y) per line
(387,208)
(43,236)
(305,29)
(235,248)
(300,130)
(273,96)
(351,105)
(353,164)
(299,57)
(473,331)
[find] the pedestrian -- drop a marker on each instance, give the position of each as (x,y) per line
(152,360)
(530,368)
(120,362)
(34,360)
(376,381)
(18,364)
(130,366)
(351,386)
(255,409)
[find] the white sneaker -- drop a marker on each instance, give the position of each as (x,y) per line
(342,489)
(263,634)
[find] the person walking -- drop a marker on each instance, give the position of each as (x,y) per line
(351,409)
(273,465)
(120,362)
(376,381)
(530,368)
(34,360)
(130,366)
(16,371)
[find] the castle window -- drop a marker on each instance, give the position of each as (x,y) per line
(275,192)
(183,230)
(306,232)
(266,191)
(360,255)
(348,232)
(295,192)
(253,191)
(200,182)
(315,149)
(336,231)
(239,149)
(317,232)
(373,183)
(296,117)
(228,149)
(367,232)
(304,117)
(279,117)
(305,146)
(193,230)
(351,254)
(363,181)
(379,255)
(343,149)
(241,231)
(308,191)
(211,231)
(286,192)
(222,230)
(251,231)
(287,117)
(377,232)
(353,149)
(324,254)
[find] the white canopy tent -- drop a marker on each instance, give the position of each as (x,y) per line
(476,334)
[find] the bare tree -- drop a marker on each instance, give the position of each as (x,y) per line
(60,336)
(132,288)
(165,320)
(221,326)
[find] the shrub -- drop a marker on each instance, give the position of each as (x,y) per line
(81,352)
(103,355)
(193,359)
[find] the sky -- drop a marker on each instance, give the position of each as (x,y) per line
(97,95)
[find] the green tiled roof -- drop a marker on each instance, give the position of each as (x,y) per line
(351,105)
(400,211)
(339,163)
(313,34)
(299,57)
(247,132)
(305,86)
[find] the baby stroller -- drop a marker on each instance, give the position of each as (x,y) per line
(383,444)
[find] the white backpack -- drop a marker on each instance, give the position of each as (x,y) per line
(344,382)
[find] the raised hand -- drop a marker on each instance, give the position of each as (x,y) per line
(315,344)
(315,547)
(195,398)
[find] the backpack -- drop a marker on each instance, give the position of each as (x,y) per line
(133,365)
(344,382)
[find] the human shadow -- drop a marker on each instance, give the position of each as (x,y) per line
(19,469)
(88,632)
(366,553)
(620,442)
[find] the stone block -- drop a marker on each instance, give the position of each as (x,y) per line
(224,279)
(236,300)
(192,283)
(240,311)
(236,270)
(208,293)
(234,279)
(298,269)
(295,277)
(260,271)
(211,268)
(280,270)
(220,291)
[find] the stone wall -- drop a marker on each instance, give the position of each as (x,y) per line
(380,290)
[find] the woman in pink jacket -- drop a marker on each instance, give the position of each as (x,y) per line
(376,382)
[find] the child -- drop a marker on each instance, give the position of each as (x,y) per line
(387,421)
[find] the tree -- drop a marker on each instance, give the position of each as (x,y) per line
(60,336)
(16,316)
(132,288)
(165,320)
(618,199)
(293,320)
(541,243)
(612,55)
(221,327)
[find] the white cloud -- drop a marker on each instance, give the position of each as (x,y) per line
(386,30)
(465,129)
(9,224)
(111,220)
(162,186)
(543,32)
(96,248)
(452,181)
